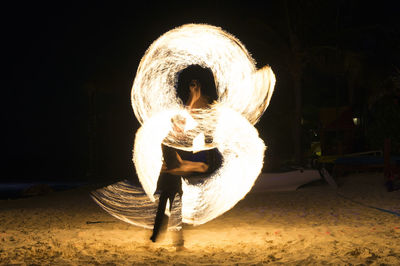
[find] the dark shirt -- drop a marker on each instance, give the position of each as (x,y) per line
(168,183)
(170,158)
(173,183)
(212,158)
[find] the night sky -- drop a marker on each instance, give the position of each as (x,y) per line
(66,111)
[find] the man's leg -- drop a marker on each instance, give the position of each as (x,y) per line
(178,238)
(178,232)
(161,220)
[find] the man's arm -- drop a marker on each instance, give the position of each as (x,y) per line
(186,167)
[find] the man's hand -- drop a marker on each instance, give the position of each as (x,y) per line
(178,123)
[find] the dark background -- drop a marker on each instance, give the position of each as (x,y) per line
(69,68)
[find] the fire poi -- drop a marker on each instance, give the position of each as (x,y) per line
(243,95)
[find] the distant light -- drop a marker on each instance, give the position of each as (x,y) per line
(356,121)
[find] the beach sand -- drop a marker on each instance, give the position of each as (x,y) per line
(312,225)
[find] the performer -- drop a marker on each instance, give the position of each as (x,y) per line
(169,184)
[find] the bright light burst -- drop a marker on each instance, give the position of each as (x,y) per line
(243,95)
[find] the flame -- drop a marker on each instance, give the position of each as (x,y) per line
(240,86)
(199,143)
(244,93)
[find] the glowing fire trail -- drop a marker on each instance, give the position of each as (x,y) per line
(244,94)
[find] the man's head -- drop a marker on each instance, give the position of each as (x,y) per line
(194,85)
(195,75)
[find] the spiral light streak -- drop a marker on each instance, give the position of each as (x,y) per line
(243,154)
(243,95)
(239,85)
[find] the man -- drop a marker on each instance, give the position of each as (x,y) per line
(174,168)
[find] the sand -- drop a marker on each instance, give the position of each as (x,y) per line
(312,225)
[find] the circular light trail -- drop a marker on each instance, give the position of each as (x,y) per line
(243,95)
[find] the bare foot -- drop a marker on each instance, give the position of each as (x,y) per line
(181,248)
